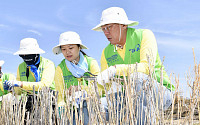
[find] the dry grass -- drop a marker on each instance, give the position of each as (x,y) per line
(182,111)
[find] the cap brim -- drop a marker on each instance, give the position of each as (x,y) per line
(1,62)
(26,52)
(83,46)
(56,50)
(129,23)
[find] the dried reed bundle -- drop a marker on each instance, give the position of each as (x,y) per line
(45,108)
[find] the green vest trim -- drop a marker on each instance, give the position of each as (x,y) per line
(69,79)
(31,78)
(4,78)
(132,55)
(132,52)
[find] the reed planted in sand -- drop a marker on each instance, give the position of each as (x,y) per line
(45,109)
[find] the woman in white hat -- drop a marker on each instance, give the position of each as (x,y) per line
(76,64)
(35,70)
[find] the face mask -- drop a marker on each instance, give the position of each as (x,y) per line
(30,59)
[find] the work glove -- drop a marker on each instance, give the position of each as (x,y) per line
(8,85)
(106,75)
(78,96)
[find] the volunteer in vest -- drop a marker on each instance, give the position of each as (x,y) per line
(35,70)
(4,94)
(74,66)
(127,47)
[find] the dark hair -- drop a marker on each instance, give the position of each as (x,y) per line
(82,50)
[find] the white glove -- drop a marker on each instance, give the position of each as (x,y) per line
(106,75)
(16,83)
(78,96)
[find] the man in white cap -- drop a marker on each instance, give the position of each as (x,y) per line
(128,52)
(3,77)
(34,71)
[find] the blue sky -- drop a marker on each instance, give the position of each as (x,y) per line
(175,24)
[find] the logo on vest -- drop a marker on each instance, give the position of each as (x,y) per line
(69,78)
(23,74)
(112,59)
(137,48)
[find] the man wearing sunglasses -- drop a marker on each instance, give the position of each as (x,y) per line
(131,51)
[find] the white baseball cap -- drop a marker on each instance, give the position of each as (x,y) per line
(29,46)
(1,62)
(114,15)
(66,38)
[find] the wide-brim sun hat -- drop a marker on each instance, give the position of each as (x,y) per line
(1,62)
(66,38)
(114,15)
(29,46)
